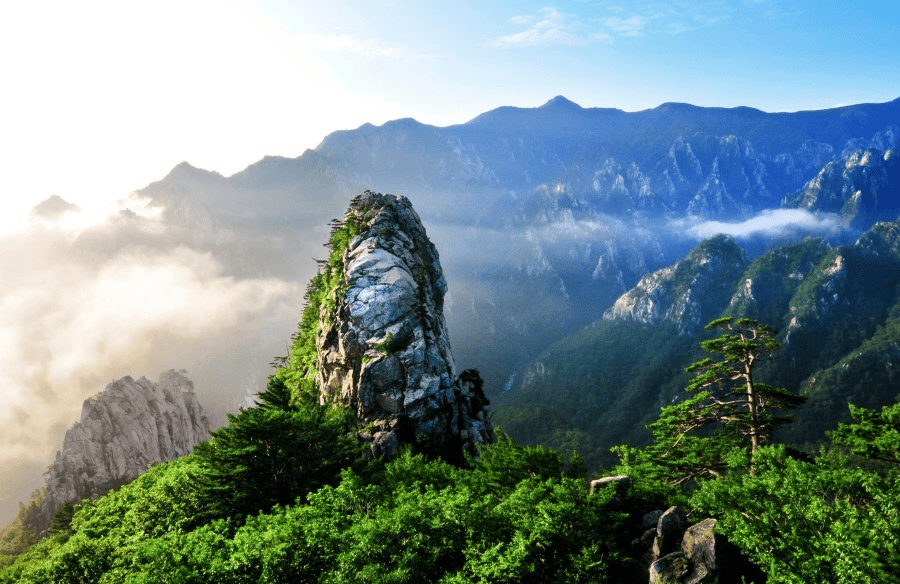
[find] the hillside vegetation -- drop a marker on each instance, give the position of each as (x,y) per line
(835,310)
(286,493)
(514,514)
(290,490)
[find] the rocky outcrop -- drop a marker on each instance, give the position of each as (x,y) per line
(384,350)
(687,294)
(862,187)
(123,430)
(695,562)
(678,553)
(669,530)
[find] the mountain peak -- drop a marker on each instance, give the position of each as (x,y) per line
(688,293)
(123,429)
(185,168)
(53,207)
(560,102)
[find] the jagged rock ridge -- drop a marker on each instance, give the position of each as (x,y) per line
(862,186)
(386,353)
(123,430)
(681,293)
(533,190)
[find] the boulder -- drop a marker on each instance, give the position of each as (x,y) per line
(699,546)
(651,519)
(669,530)
(695,561)
(621,482)
(669,569)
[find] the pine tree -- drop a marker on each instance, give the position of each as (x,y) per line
(731,395)
(728,418)
(273,453)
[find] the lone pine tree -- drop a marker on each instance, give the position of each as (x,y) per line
(731,396)
(740,412)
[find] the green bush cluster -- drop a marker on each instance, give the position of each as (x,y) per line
(832,518)
(513,516)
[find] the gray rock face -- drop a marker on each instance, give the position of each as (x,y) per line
(699,547)
(385,351)
(125,428)
(694,563)
(669,569)
(861,186)
(684,293)
(651,519)
(669,531)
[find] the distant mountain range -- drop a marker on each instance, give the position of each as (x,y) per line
(545,216)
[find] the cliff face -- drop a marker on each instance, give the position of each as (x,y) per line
(385,350)
(125,428)
(687,294)
(863,186)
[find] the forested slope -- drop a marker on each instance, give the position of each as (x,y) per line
(835,309)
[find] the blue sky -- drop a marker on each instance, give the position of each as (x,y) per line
(103,96)
(770,54)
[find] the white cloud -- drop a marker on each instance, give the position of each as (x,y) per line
(671,18)
(773,222)
(550,27)
(626,26)
(103,97)
(523,20)
(70,323)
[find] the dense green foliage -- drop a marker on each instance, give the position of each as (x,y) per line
(832,519)
(297,370)
(873,435)
(273,453)
(286,492)
(820,521)
(514,516)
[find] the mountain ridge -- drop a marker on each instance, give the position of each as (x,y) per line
(123,429)
(555,203)
(836,310)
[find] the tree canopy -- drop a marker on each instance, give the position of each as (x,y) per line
(274,453)
(729,410)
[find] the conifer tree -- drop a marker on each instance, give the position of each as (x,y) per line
(740,412)
(731,395)
(273,453)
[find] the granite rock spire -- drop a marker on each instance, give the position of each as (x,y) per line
(384,351)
